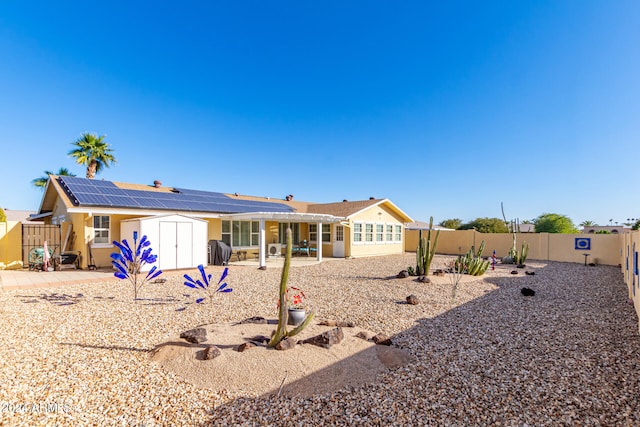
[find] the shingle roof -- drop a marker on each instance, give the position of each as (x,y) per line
(344,209)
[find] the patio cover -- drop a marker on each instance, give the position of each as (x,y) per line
(262,217)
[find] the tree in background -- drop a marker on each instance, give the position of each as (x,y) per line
(42,181)
(3,216)
(453,223)
(555,223)
(486,225)
(636,226)
(93,152)
(587,223)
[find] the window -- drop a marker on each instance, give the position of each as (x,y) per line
(368,232)
(398,233)
(389,233)
(357,232)
(282,233)
(379,233)
(313,232)
(101,230)
(241,233)
(326,232)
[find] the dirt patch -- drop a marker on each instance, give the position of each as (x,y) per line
(304,370)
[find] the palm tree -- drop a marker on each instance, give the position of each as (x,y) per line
(587,223)
(42,181)
(91,151)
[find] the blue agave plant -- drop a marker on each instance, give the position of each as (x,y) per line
(205,283)
(129,262)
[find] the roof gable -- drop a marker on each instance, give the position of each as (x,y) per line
(348,209)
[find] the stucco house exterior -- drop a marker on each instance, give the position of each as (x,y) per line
(97,212)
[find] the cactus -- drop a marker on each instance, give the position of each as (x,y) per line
(425,251)
(520,257)
(472,263)
(283,306)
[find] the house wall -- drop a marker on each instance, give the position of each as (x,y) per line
(376,214)
(10,245)
(605,248)
(630,262)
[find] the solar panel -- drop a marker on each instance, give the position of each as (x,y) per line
(82,191)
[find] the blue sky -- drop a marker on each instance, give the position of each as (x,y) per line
(446,108)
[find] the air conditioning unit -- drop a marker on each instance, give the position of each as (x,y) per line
(274,250)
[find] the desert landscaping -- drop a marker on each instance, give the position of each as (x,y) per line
(88,354)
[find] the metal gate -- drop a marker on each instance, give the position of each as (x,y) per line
(34,236)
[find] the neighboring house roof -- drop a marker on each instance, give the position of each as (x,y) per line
(421,225)
(22,216)
(88,193)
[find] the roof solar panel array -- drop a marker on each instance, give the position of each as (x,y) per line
(88,192)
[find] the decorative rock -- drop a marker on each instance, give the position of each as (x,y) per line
(210,352)
(256,319)
(195,336)
(264,267)
(514,272)
(160,280)
(413,300)
(423,279)
(326,339)
(363,335)
(530,273)
(259,339)
(286,344)
(245,346)
(520,266)
(438,273)
(381,339)
(403,274)
(336,323)
(527,292)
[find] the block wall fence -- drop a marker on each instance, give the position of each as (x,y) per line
(601,248)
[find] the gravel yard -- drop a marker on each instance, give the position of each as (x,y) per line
(570,355)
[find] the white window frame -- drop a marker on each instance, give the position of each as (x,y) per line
(389,233)
(253,235)
(101,241)
(379,233)
(369,233)
(358,233)
(398,233)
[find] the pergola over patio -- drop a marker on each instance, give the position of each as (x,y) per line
(284,217)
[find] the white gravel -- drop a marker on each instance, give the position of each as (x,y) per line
(570,355)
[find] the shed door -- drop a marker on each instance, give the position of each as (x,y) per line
(167,254)
(176,245)
(184,238)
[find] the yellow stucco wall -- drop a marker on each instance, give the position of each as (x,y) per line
(378,215)
(10,245)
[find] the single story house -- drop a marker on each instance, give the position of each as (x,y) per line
(93,213)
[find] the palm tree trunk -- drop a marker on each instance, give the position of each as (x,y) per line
(91,169)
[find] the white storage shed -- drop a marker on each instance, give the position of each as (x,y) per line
(179,241)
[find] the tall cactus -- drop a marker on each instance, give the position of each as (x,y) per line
(283,309)
(426,251)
